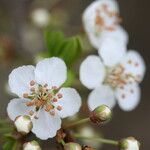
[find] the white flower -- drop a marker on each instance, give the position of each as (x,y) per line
(114,78)
(31,146)
(101,19)
(129,143)
(42,97)
(40,17)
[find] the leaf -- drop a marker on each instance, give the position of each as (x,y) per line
(69,49)
(10,143)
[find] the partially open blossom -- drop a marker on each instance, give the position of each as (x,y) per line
(31,146)
(114,77)
(101,114)
(72,146)
(23,124)
(129,143)
(41,17)
(42,97)
(101,19)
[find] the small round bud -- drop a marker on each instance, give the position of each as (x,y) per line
(101,114)
(72,146)
(129,143)
(31,146)
(23,124)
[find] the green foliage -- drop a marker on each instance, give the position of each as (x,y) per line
(6,130)
(69,49)
(10,143)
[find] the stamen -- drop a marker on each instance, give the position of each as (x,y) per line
(31,103)
(59,95)
(55,100)
(25,95)
(32,83)
(32,89)
(52,113)
(59,108)
(48,108)
(31,113)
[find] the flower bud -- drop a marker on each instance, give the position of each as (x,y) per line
(31,146)
(101,114)
(129,143)
(88,148)
(72,146)
(23,124)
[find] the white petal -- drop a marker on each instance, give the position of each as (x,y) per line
(101,95)
(128,97)
(17,107)
(111,51)
(134,64)
(92,72)
(70,102)
(51,71)
(19,80)
(46,125)
(119,35)
(89,19)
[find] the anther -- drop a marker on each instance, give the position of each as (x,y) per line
(32,83)
(48,108)
(32,89)
(59,108)
(31,103)
(52,113)
(55,100)
(45,85)
(35,117)
(25,95)
(59,95)
(31,113)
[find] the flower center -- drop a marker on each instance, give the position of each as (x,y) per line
(102,14)
(117,77)
(43,97)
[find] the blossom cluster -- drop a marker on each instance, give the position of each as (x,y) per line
(115,74)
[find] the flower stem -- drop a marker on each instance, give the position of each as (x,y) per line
(105,141)
(63,142)
(77,123)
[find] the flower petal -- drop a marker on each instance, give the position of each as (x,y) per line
(19,80)
(70,102)
(90,16)
(134,64)
(119,35)
(51,71)
(112,51)
(101,95)
(92,72)
(17,107)
(128,97)
(46,125)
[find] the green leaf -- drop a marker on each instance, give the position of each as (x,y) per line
(10,143)
(69,49)
(53,41)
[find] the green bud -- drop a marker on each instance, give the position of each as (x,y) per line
(72,146)
(23,124)
(129,143)
(33,145)
(101,114)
